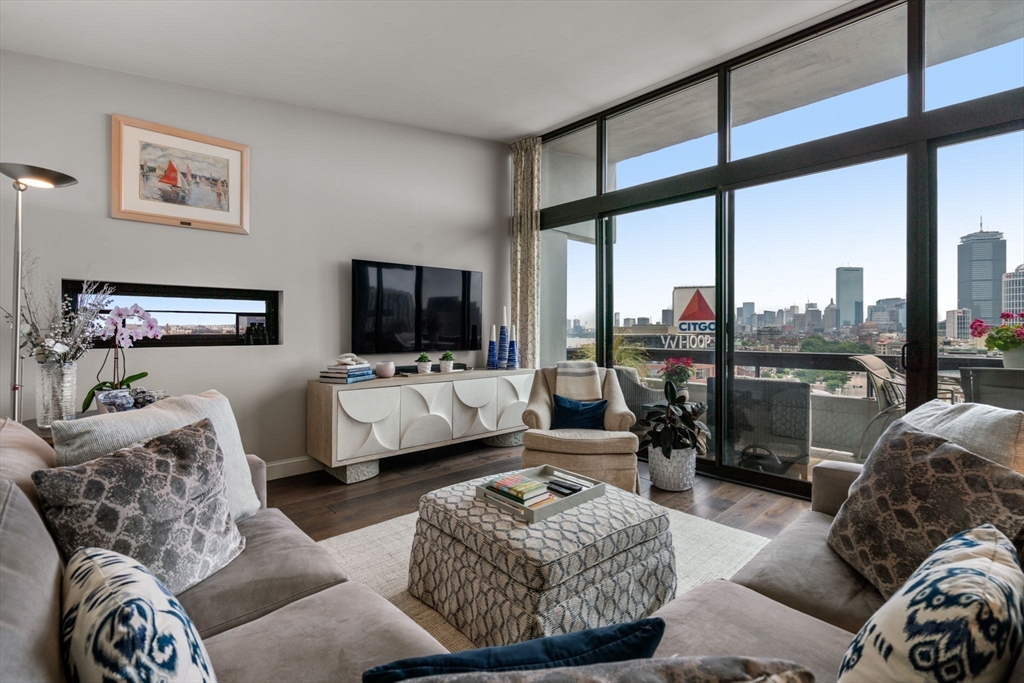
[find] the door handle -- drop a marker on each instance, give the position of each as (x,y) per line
(910,357)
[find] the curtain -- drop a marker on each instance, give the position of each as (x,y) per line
(526,249)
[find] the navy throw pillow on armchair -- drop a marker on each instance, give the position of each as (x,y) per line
(570,414)
(618,643)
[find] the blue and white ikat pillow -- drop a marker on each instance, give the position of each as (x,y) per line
(957,618)
(121,624)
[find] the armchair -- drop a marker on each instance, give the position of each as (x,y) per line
(608,455)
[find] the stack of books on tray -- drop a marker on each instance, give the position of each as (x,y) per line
(346,374)
(523,490)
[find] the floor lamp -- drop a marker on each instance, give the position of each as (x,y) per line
(24,176)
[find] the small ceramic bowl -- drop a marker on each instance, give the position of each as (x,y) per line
(386,368)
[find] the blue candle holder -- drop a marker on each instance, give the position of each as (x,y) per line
(492,355)
(513,356)
(502,347)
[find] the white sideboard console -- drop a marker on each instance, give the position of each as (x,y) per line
(349,427)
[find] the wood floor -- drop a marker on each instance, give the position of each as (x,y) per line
(323,507)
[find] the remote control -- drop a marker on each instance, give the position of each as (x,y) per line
(575,488)
(555,488)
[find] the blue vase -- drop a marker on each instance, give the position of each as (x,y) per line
(513,356)
(492,355)
(502,347)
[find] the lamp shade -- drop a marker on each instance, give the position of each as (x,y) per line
(34,176)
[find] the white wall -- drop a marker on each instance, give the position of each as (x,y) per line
(325,188)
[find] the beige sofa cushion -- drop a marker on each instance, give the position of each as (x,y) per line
(88,438)
(993,433)
(279,565)
(581,441)
(724,618)
(801,571)
(30,585)
(331,637)
(21,454)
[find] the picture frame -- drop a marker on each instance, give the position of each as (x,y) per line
(160,174)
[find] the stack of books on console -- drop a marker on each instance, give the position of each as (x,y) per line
(523,490)
(346,374)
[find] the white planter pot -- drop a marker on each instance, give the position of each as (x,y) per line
(1014,358)
(447,365)
(423,368)
(675,473)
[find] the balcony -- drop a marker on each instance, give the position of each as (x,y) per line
(837,423)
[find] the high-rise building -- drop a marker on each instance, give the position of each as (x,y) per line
(958,323)
(643,321)
(828,316)
(849,292)
(800,321)
(748,313)
(780,317)
(768,317)
(615,323)
(629,322)
(814,316)
(981,262)
(666,316)
(1013,290)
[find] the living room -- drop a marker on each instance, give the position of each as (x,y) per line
(577,207)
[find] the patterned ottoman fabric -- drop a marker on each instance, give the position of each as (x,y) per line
(502,581)
(551,551)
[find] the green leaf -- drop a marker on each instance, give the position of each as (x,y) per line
(126,383)
(670,391)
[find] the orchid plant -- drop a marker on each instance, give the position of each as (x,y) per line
(1009,335)
(125,326)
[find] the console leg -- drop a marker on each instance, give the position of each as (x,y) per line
(352,474)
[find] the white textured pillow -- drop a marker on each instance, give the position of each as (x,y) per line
(993,433)
(957,618)
(119,623)
(88,438)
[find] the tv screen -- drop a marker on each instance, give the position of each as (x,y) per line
(398,308)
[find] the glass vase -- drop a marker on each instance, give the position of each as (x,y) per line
(56,392)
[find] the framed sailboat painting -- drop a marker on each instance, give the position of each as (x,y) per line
(160,174)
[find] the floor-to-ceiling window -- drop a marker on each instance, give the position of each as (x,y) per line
(804,190)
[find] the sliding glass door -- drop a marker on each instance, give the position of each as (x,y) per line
(819,278)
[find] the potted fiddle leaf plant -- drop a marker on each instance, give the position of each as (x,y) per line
(674,439)
(447,362)
(423,364)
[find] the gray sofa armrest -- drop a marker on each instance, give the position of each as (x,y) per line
(830,486)
(258,472)
(540,407)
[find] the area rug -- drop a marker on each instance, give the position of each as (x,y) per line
(378,556)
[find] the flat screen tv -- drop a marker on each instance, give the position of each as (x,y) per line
(400,309)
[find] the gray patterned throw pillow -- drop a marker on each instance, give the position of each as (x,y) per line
(915,491)
(162,503)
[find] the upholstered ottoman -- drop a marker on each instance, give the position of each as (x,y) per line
(500,580)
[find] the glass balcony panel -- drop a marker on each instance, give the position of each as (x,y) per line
(673,135)
(847,79)
(972,49)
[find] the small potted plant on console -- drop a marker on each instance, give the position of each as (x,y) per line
(447,362)
(423,364)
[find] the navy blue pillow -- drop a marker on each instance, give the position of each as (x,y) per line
(570,414)
(618,643)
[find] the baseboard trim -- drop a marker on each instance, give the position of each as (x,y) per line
(279,469)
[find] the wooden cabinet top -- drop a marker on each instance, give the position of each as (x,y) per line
(397,381)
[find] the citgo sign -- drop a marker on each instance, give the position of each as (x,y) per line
(694,312)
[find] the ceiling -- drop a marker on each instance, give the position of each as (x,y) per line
(491,69)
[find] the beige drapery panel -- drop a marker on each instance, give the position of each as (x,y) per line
(526,249)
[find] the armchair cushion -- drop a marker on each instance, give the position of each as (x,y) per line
(581,441)
(570,414)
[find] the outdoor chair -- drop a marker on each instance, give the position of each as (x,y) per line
(890,389)
(999,387)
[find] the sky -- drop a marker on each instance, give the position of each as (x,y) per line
(158,305)
(791,235)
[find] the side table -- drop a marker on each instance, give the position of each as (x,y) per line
(44,432)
